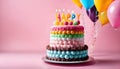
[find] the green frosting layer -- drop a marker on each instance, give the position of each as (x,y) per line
(67,35)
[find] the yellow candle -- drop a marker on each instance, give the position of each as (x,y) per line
(63,16)
(78,16)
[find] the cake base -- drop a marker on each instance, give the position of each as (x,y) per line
(73,59)
(68,62)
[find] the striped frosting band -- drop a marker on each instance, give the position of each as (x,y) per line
(66,43)
(62,46)
(67,54)
(68,27)
(67,32)
(66,46)
(67,35)
(71,48)
(66,39)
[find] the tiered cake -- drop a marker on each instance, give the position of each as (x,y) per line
(67,39)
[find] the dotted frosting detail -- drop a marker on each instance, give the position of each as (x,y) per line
(73,48)
(67,35)
(67,28)
(66,32)
(67,54)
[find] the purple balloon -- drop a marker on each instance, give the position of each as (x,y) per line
(92,13)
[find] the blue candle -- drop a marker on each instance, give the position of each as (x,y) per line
(73,16)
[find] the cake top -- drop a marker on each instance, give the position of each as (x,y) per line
(66,18)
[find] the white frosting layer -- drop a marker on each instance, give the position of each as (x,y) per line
(67,42)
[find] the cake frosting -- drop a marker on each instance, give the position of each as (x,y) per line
(67,40)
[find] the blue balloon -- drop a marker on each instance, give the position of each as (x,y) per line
(87,3)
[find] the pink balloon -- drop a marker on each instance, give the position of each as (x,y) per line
(113,14)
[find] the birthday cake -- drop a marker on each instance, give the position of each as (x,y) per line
(67,39)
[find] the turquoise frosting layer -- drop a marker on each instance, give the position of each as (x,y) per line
(67,54)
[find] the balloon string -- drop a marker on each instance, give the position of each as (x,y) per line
(96,27)
(83,22)
(83,17)
(94,34)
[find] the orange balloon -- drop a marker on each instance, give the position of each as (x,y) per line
(102,5)
(78,3)
(103,18)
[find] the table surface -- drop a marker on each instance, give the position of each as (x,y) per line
(34,61)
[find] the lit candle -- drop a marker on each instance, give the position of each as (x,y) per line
(56,16)
(78,17)
(63,16)
(68,15)
(59,16)
(73,15)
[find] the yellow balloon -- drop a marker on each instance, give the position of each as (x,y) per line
(103,18)
(78,3)
(102,5)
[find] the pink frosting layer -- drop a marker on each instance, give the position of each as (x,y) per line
(67,27)
(74,42)
(66,46)
(66,39)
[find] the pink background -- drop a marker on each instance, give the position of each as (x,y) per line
(24,34)
(24,26)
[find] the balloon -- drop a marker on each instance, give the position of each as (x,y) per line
(113,14)
(92,13)
(103,18)
(78,3)
(102,5)
(87,3)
